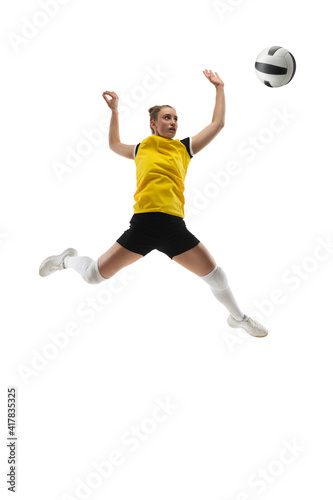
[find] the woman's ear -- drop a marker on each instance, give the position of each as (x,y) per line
(152,125)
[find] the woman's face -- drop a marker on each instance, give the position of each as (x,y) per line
(166,124)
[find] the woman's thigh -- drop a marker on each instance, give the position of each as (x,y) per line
(115,259)
(198,260)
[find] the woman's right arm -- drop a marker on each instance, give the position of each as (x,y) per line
(114,139)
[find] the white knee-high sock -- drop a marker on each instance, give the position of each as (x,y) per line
(217,280)
(87,267)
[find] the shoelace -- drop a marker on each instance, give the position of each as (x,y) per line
(254,323)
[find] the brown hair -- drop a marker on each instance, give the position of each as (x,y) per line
(153,113)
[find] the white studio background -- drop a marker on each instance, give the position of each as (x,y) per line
(138,387)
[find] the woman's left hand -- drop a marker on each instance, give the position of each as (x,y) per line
(213,78)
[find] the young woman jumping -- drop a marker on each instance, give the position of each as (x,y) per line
(158,220)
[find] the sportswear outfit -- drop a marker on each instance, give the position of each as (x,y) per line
(158,222)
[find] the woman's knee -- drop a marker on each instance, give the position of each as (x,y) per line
(92,274)
(198,260)
(216,279)
(115,259)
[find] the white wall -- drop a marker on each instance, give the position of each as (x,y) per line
(248,417)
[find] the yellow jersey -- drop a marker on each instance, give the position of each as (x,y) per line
(161,167)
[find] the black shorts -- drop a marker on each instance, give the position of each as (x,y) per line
(157,231)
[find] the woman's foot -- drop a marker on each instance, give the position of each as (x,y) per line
(252,327)
(55,262)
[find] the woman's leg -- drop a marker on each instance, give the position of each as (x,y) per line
(115,259)
(92,271)
(200,262)
(96,271)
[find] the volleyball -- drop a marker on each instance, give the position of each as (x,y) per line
(275,66)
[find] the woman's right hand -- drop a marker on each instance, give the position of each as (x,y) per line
(113,102)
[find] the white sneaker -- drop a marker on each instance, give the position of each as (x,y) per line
(55,262)
(252,327)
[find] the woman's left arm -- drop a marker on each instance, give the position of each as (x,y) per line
(206,135)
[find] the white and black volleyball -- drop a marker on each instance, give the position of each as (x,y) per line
(275,66)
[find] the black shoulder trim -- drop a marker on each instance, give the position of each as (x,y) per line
(188,145)
(136,149)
